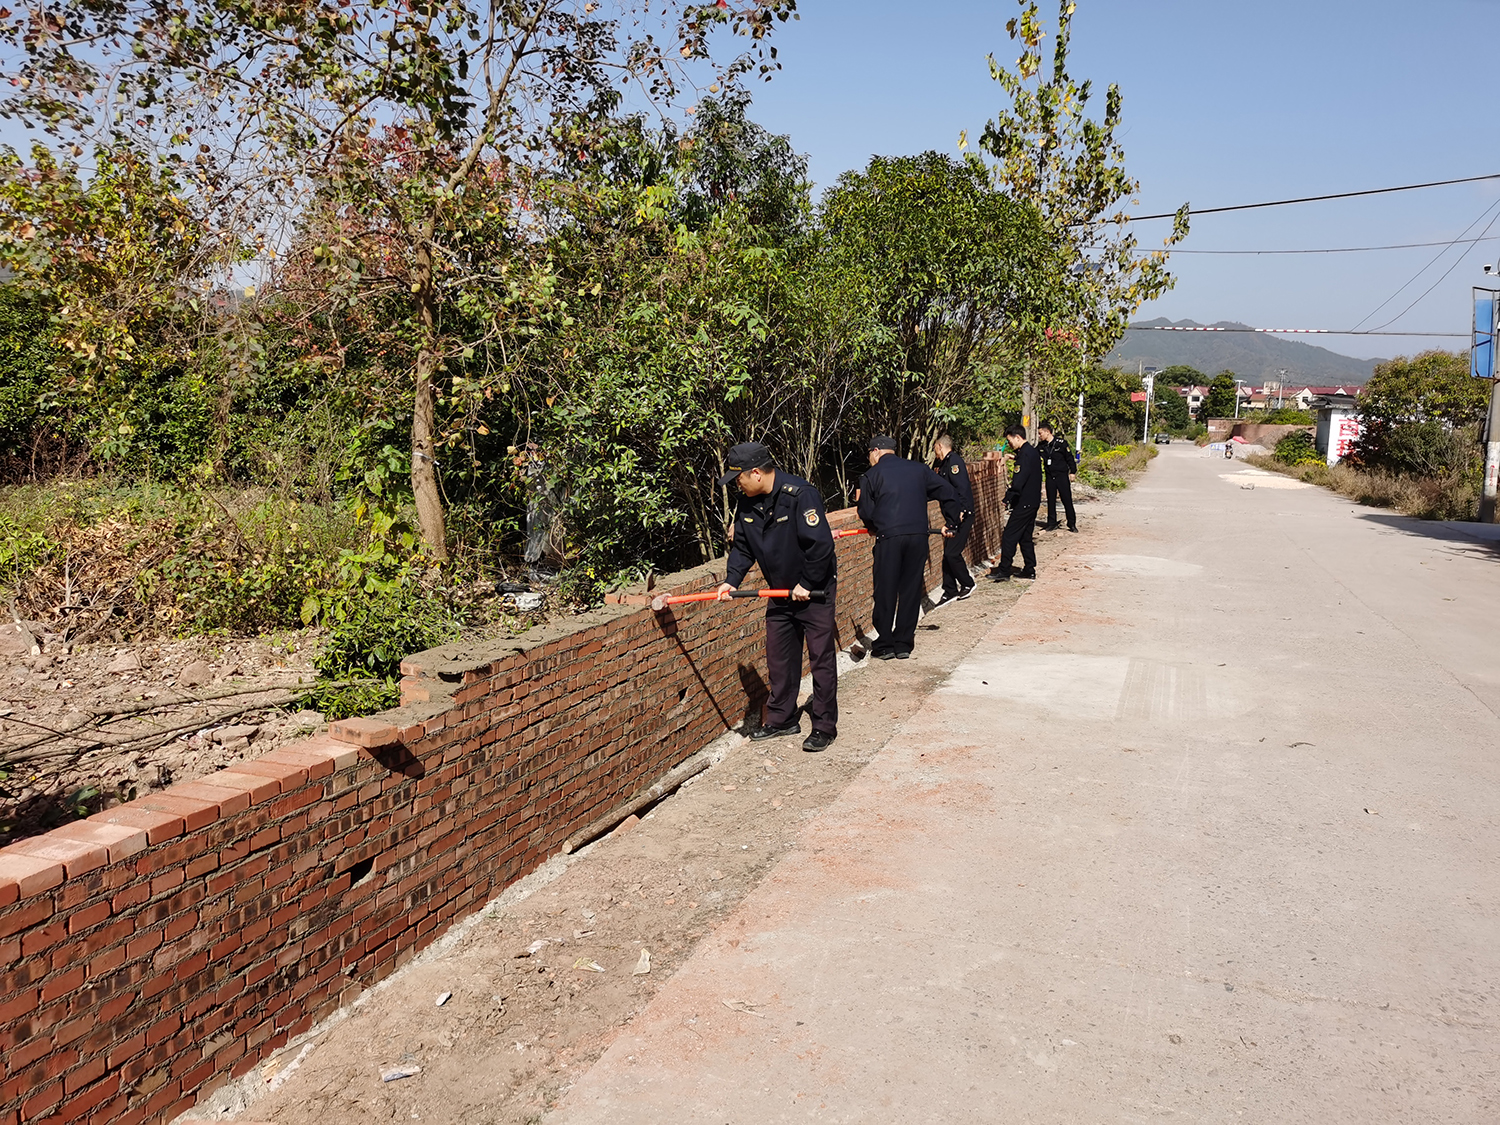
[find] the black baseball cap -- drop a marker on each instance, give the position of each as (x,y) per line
(744,457)
(881,441)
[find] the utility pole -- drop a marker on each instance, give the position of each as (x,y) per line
(1148,379)
(1482,349)
(1487,499)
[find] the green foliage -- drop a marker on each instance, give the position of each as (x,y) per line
(1220,401)
(28,372)
(1169,410)
(1297,448)
(106,256)
(1453,497)
(1070,168)
(1180,375)
(945,258)
(1106,467)
(1106,401)
(1288,416)
(374,633)
(1421,416)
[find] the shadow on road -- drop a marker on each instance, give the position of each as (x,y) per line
(1476,540)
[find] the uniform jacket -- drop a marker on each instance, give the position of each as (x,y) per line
(785,531)
(953,470)
(1025,489)
(893,497)
(1058,457)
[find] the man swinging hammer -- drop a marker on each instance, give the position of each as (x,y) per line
(779,523)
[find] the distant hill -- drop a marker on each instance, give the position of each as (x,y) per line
(1253,356)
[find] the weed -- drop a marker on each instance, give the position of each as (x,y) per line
(1453,497)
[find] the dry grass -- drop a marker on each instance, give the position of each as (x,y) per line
(1428,498)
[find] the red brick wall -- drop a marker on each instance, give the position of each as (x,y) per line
(153,951)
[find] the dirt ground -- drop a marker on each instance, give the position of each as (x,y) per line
(541,984)
(88,726)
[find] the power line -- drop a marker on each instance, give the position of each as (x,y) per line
(1436,258)
(1329,250)
(1456,263)
(1282,331)
(1314,198)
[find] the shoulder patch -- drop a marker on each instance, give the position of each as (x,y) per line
(954,469)
(811,516)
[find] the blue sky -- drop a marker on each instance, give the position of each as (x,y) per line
(1224,103)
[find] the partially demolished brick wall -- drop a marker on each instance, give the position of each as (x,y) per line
(155,950)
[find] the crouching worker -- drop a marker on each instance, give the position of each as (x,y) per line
(779,523)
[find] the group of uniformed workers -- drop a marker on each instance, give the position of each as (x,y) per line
(780,523)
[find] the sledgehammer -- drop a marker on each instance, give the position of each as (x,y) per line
(660,602)
(866,531)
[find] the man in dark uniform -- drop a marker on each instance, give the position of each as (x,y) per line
(893,499)
(779,523)
(1057,458)
(958,583)
(1023,497)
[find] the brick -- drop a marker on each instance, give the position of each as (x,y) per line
(91,915)
(227,801)
(120,840)
(25,916)
(196,812)
(76,856)
(290,774)
(22,876)
(367,733)
(158,826)
(317,765)
(256,786)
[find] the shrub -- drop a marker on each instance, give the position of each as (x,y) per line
(1446,498)
(367,646)
(1289,416)
(1297,448)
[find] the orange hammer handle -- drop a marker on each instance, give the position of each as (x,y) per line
(713,596)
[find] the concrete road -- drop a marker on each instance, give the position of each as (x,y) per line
(1205,830)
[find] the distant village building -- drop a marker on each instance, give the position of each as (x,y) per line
(1194,397)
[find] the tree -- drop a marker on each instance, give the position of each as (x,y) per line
(1180,375)
(1421,416)
(1169,410)
(1070,168)
(949,262)
(1107,404)
(418,130)
(1222,397)
(114,255)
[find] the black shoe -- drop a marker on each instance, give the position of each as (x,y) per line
(1050,526)
(966,592)
(903,656)
(775,732)
(818,740)
(945,599)
(1074,530)
(885,655)
(1028,574)
(1000,575)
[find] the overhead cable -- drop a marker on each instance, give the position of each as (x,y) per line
(1313,198)
(1329,250)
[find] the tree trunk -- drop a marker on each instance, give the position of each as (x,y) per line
(1028,400)
(424,480)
